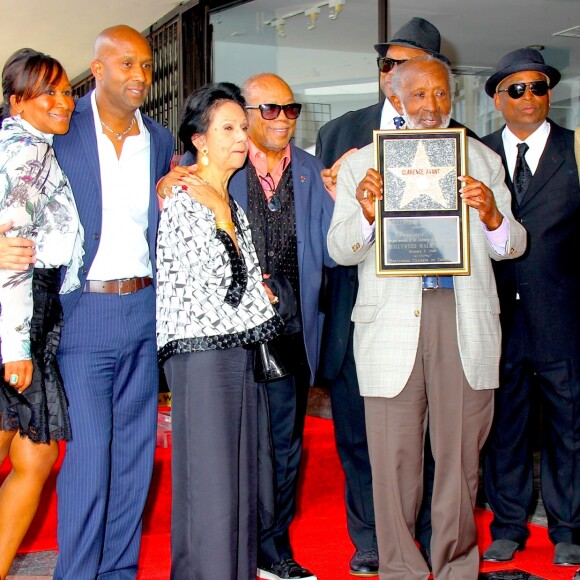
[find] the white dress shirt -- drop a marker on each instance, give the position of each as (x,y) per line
(125,186)
(388,115)
(536,143)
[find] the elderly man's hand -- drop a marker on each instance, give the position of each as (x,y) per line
(15,253)
(477,195)
(329,175)
(369,189)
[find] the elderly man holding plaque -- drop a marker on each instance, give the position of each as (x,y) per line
(426,345)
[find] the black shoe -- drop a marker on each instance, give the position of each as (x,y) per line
(501,551)
(566,554)
(285,570)
(365,563)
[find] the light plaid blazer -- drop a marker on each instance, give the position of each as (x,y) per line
(388,310)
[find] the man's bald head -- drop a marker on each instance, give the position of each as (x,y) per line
(264,82)
(109,38)
(123,71)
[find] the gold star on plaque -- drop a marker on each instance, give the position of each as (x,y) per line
(421,178)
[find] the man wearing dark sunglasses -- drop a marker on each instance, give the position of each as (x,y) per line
(540,317)
(338,137)
(289,211)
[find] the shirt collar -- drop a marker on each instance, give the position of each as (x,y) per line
(260,162)
(18,122)
(99,128)
(537,138)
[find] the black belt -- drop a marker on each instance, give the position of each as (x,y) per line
(435,282)
(120,287)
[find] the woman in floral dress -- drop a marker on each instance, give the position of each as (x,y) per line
(36,197)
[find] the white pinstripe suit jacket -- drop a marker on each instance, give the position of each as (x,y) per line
(387,313)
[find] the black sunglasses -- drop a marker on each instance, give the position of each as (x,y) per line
(517,90)
(274,203)
(387,64)
(271,111)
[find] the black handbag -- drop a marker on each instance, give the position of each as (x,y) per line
(267,365)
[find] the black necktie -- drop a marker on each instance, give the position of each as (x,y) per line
(399,122)
(522,172)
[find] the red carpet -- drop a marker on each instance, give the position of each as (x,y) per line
(319,533)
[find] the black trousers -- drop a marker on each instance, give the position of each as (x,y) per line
(348,414)
(214,465)
(287,399)
(508,463)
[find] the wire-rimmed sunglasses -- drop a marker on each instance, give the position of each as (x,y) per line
(271,111)
(517,90)
(386,64)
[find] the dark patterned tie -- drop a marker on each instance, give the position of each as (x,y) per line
(399,122)
(522,172)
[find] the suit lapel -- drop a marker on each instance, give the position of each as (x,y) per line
(86,127)
(499,149)
(550,162)
(301,176)
(156,169)
(239,187)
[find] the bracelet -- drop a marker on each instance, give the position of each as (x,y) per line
(225,225)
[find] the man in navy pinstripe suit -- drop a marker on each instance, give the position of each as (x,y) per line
(113,157)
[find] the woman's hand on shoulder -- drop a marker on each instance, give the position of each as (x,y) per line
(18,374)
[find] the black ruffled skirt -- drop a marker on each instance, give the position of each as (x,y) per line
(40,412)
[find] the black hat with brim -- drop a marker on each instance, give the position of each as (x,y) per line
(523,59)
(417,33)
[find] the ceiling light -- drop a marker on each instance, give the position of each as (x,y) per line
(574,31)
(312,13)
(280,26)
(335,7)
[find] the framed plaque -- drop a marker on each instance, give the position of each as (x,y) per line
(422,225)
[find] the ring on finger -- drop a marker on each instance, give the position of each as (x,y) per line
(165,192)
(365,194)
(13,379)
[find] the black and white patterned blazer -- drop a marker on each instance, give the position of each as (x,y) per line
(208,295)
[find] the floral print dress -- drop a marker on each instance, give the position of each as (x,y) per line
(36,196)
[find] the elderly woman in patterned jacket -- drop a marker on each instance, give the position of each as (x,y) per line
(211,304)
(36,198)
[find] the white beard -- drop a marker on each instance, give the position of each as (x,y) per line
(412,123)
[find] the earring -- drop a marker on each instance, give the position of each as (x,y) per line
(204,160)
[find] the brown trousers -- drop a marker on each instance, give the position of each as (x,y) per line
(437,394)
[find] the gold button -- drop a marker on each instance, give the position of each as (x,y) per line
(356,247)
(417,313)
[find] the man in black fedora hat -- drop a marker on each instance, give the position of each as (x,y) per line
(540,316)
(338,137)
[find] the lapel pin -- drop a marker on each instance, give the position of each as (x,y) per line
(303,178)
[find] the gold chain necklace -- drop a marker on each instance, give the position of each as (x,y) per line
(119,136)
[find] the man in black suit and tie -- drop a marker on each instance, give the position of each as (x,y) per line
(540,315)
(339,137)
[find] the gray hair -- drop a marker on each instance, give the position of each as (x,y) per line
(398,74)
